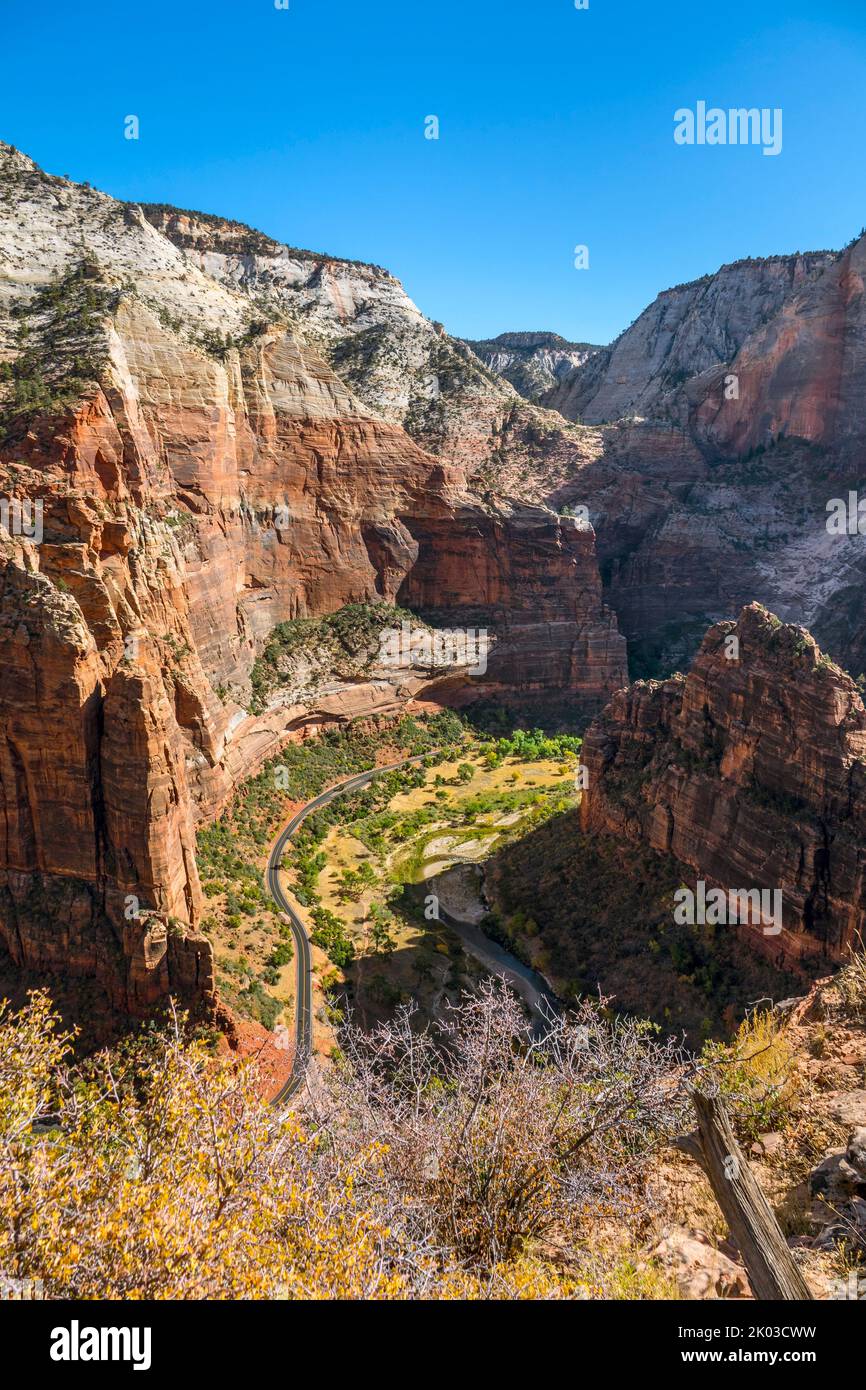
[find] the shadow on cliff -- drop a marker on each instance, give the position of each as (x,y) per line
(81,1004)
(596,915)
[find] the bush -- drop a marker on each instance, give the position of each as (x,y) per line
(281,955)
(850,984)
(329,935)
(756,1072)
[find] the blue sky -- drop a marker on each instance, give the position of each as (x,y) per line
(556,129)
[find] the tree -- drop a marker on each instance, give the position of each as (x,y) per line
(350,885)
(380,935)
(495,1137)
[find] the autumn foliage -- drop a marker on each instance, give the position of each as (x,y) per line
(462,1165)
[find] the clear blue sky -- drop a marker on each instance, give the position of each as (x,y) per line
(556,128)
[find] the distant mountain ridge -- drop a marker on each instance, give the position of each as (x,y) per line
(532,362)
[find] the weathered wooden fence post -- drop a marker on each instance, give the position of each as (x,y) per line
(772,1272)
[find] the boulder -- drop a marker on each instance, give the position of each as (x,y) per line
(700,1270)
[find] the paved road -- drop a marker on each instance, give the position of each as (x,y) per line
(303,957)
(495,957)
(523,980)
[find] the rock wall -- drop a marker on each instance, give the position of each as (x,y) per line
(533,362)
(750,772)
(534,578)
(737,403)
(217,476)
(685,332)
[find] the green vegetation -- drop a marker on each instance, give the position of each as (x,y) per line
(530,746)
(219,345)
(61,350)
(329,934)
(373,818)
(232,848)
(236,238)
(782,802)
(339,643)
(756,1072)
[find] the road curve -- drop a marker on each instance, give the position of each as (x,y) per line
(303,955)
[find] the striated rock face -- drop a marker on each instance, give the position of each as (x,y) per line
(533,362)
(451,397)
(184,410)
(540,588)
(686,331)
(738,402)
(735,405)
(751,773)
(97,851)
(359,319)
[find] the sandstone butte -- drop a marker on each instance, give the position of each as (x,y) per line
(193,497)
(749,772)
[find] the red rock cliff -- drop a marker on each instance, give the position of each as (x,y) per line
(216,477)
(751,772)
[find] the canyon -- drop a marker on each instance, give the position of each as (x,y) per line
(203,473)
(223,434)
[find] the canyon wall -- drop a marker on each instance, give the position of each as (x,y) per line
(686,331)
(705,442)
(749,772)
(533,363)
(735,415)
(202,472)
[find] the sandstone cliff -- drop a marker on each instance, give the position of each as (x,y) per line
(737,417)
(203,471)
(749,772)
(687,330)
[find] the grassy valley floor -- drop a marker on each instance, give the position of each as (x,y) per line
(483,832)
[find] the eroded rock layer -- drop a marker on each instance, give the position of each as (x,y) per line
(181,474)
(750,772)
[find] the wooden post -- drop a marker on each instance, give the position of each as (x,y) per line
(772,1272)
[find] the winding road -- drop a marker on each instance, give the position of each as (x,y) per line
(303,956)
(531,985)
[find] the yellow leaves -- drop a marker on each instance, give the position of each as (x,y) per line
(758,1073)
(174,1181)
(166,1176)
(34,1047)
(521,1279)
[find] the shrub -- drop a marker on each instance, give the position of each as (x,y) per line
(756,1072)
(850,984)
